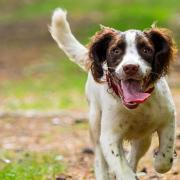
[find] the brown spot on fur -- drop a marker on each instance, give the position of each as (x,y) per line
(115,52)
(145,48)
(175,154)
(156,152)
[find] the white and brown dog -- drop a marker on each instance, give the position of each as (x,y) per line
(128,95)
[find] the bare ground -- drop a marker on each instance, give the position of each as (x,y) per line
(68,135)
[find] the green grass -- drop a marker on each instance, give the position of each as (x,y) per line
(50,85)
(119,13)
(30,166)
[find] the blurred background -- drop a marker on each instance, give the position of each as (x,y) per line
(42,101)
(35,74)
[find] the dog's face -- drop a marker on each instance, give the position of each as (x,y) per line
(136,58)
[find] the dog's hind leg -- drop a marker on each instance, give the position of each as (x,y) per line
(61,33)
(100,165)
(138,149)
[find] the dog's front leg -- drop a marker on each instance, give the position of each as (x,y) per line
(111,144)
(164,157)
(100,165)
(114,155)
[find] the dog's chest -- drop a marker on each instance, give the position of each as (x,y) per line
(137,125)
(141,122)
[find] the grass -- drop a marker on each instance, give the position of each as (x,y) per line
(29,166)
(119,13)
(48,86)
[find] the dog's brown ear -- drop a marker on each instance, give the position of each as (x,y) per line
(98,51)
(165,51)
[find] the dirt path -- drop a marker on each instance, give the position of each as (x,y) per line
(68,135)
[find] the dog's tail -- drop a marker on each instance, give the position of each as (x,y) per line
(61,33)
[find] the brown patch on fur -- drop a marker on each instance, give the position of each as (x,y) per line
(115,43)
(165,51)
(142,40)
(115,52)
(98,51)
(145,48)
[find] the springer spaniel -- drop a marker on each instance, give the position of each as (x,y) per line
(128,95)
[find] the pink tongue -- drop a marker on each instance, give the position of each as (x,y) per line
(132,92)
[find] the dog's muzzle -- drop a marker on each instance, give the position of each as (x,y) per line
(130,91)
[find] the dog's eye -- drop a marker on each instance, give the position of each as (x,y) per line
(117,51)
(147,50)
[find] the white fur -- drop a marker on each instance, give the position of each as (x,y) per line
(61,33)
(132,56)
(111,123)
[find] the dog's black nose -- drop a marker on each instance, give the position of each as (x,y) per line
(130,69)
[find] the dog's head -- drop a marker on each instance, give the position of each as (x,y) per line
(136,58)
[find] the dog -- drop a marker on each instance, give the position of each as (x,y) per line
(128,96)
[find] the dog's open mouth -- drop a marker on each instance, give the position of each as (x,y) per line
(132,93)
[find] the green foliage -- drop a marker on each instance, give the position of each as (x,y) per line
(30,166)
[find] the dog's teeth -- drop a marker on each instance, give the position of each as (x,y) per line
(139,174)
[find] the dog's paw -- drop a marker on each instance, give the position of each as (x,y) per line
(162,162)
